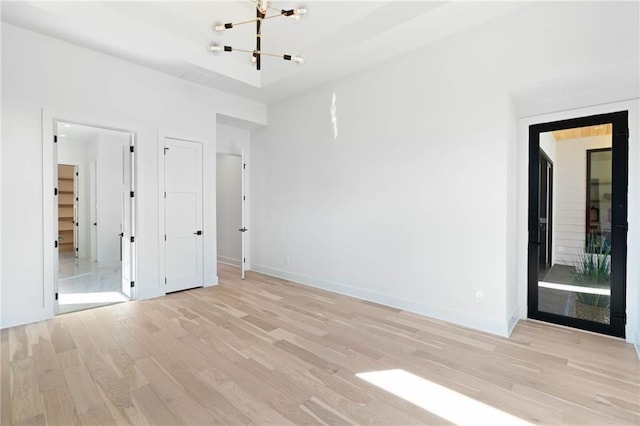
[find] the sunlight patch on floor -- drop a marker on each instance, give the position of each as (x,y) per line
(439,400)
(102,297)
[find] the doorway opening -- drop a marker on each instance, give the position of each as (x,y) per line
(578,174)
(230,210)
(94,263)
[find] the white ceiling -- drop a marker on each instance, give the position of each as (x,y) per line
(336,38)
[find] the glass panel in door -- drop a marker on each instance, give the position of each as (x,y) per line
(574,221)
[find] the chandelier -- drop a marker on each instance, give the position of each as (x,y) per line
(262,14)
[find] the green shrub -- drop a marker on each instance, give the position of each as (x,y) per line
(593,269)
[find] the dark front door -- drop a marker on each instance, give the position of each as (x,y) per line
(578,175)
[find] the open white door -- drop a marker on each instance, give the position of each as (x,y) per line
(76,212)
(56,252)
(183,215)
(93,209)
(127,238)
(243,229)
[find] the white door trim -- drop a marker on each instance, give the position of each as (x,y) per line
(49,217)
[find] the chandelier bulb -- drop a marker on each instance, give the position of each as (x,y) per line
(298,59)
(262,5)
(215,48)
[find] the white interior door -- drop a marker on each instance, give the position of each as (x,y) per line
(126,242)
(183,215)
(243,229)
(56,252)
(110,192)
(93,209)
(76,213)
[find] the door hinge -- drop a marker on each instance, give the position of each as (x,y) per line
(55,243)
(55,191)
(132,239)
(77,223)
(133,284)
(55,138)
(165,238)
(56,296)
(244,166)
(131,194)
(165,194)
(76,173)
(244,260)
(131,148)
(165,280)
(165,150)
(244,198)
(76,198)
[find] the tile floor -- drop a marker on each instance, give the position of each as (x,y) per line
(84,284)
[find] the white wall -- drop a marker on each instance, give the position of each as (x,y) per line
(77,85)
(233,140)
(548,145)
(79,153)
(570,196)
(229,208)
(414,204)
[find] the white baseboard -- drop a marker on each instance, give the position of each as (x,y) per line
(513,320)
(212,281)
(229,261)
(20,318)
(445,314)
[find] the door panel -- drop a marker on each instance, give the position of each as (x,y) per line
(243,229)
(183,215)
(127,220)
(581,281)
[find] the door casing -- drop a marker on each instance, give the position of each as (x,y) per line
(50,212)
(619,224)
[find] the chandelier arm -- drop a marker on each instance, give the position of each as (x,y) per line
(272,16)
(235,24)
(259,16)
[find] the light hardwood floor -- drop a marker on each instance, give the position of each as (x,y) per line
(265,351)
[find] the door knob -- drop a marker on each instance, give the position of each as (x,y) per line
(197,233)
(121,234)
(243,229)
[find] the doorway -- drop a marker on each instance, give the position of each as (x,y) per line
(94,218)
(230,210)
(578,174)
